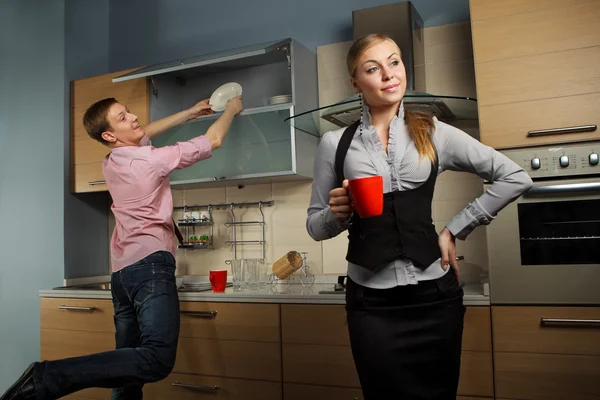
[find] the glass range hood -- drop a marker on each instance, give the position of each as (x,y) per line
(454,110)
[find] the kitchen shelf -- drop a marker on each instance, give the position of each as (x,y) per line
(249,111)
(197,246)
(194,223)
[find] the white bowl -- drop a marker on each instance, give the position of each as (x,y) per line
(223,94)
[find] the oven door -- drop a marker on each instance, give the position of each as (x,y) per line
(544,248)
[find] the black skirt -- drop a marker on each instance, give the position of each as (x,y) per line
(406,341)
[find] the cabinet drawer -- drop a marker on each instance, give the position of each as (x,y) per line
(230,321)
(477,333)
(313,324)
(56,344)
(90,315)
(518,329)
(547,376)
(543,76)
(553,29)
(476,374)
(506,125)
(184,387)
(228,358)
(319,365)
(302,392)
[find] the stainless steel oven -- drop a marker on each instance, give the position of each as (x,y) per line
(544,248)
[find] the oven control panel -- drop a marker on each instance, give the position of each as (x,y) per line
(558,160)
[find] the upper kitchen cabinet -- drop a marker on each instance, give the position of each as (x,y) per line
(536,67)
(86,153)
(260,146)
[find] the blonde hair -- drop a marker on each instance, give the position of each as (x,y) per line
(420,124)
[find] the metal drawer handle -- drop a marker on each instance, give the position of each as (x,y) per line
(76,308)
(567,321)
(558,131)
(203,314)
(196,387)
(95,183)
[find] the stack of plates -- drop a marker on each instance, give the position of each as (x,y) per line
(282,99)
(196,286)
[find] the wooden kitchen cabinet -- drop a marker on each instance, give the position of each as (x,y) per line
(317,354)
(233,346)
(251,351)
(188,387)
(86,153)
(536,70)
(552,360)
(76,327)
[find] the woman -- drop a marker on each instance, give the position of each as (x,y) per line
(403,301)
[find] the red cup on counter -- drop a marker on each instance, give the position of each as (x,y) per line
(367,195)
(218,280)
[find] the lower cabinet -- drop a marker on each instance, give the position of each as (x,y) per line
(187,386)
(238,351)
(317,359)
(547,353)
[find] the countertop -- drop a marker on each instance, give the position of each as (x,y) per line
(280,293)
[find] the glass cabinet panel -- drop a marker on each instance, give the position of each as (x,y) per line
(259,143)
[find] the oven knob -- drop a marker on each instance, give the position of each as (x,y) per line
(564,161)
(593,158)
(535,163)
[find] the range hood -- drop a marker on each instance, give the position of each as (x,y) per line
(403,24)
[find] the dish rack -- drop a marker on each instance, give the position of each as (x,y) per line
(187,224)
(234,223)
(191,224)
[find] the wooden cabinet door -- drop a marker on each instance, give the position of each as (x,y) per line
(86,153)
(536,71)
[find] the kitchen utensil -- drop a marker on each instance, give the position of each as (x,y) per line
(223,94)
(287,264)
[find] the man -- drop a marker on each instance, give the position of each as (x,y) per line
(144,292)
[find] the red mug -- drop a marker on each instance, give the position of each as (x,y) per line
(367,195)
(218,280)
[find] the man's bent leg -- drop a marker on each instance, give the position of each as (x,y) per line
(152,288)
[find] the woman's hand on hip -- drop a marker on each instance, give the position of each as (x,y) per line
(339,202)
(446,241)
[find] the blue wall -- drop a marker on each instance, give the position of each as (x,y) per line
(86,215)
(146,32)
(32,126)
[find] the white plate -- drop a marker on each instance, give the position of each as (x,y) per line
(223,94)
(281,99)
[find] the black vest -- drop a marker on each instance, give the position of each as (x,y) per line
(404,230)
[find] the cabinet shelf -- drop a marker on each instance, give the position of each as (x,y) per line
(248,111)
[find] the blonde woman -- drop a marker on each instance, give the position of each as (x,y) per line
(403,301)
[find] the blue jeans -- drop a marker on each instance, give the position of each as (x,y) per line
(146,307)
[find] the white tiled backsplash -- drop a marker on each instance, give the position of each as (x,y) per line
(449,70)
